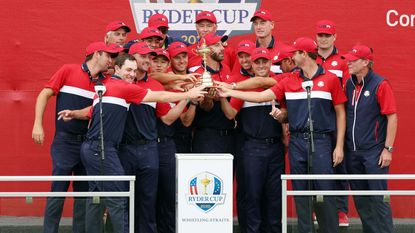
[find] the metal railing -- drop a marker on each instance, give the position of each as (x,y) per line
(129,194)
(285,192)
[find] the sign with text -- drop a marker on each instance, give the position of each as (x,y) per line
(204,193)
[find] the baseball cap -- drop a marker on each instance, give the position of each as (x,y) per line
(359,52)
(263,14)
(141,48)
(176,48)
(326,27)
(260,53)
(115,25)
(150,32)
(207,15)
(161,52)
(158,20)
(101,46)
(245,46)
(282,53)
(303,44)
(212,38)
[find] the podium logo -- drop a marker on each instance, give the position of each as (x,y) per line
(205,191)
(233,16)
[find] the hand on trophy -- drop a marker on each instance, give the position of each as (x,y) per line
(223,91)
(197,92)
(193,77)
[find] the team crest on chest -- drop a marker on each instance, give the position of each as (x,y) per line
(320,84)
(366,93)
(334,63)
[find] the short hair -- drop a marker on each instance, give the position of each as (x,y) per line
(370,65)
(313,55)
(89,57)
(120,60)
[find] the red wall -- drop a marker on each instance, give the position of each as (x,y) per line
(37,37)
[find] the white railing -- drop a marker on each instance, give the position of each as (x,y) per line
(286,192)
(129,194)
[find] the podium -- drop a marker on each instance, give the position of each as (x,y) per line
(204,191)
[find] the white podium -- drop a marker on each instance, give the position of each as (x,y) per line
(204,191)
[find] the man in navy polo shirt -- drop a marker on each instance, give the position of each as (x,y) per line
(262,156)
(73,85)
(371,130)
(139,152)
(327,99)
(214,132)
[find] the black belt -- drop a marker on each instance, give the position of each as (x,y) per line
(136,141)
(306,135)
(220,132)
(164,139)
(97,142)
(272,140)
(75,137)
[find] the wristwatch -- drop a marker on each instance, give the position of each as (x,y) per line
(389,148)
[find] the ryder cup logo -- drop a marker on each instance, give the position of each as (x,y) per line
(206,191)
(233,16)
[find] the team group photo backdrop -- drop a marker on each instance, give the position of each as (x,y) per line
(38,37)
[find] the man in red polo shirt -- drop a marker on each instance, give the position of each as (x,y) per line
(263,24)
(330,59)
(116,33)
(161,22)
(213,131)
(206,23)
(329,56)
(152,36)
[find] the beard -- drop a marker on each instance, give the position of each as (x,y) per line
(217,56)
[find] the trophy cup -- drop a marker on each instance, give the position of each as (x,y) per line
(205,182)
(203,50)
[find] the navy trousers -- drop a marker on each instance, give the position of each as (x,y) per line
(262,166)
(142,160)
(166,195)
(110,166)
(208,140)
(183,143)
(322,163)
(66,160)
(375,214)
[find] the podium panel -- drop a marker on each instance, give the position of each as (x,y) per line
(204,193)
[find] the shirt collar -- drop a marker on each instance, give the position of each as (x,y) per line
(320,71)
(85,68)
(116,77)
(212,71)
(246,73)
(270,45)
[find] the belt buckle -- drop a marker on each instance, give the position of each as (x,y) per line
(269,140)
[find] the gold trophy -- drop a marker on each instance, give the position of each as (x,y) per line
(203,51)
(205,182)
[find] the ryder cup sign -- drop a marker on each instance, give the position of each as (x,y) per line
(204,193)
(233,16)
